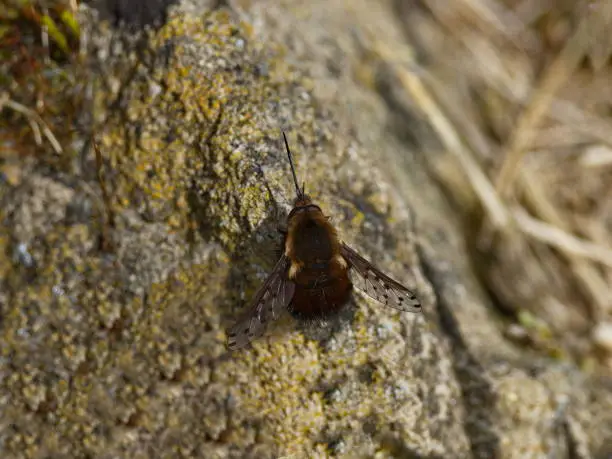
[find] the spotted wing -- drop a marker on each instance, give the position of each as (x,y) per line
(378,285)
(274,295)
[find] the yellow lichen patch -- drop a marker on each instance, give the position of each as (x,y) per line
(358,219)
(209,111)
(5,262)
(281,395)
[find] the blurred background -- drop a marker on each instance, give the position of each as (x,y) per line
(519,95)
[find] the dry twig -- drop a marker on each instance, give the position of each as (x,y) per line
(36,122)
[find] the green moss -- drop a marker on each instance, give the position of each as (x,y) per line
(42,78)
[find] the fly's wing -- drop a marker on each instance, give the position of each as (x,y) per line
(378,285)
(274,295)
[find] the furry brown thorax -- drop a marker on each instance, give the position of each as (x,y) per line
(311,239)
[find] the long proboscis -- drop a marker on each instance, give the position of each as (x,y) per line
(300,192)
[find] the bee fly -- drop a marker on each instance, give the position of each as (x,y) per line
(311,278)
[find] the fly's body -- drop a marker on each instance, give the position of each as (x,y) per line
(311,279)
(316,266)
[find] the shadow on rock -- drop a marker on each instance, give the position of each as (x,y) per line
(479,399)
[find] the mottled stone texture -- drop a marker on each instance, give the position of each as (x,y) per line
(113,309)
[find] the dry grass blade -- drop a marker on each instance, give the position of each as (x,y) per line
(587,275)
(411,81)
(582,122)
(528,11)
(601,51)
(36,122)
(505,21)
(554,78)
(560,239)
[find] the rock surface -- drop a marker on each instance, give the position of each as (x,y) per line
(114,307)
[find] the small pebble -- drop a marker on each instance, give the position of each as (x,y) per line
(602,336)
(154,90)
(517,333)
(23,256)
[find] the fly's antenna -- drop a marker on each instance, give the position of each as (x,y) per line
(300,192)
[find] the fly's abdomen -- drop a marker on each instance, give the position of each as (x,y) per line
(320,293)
